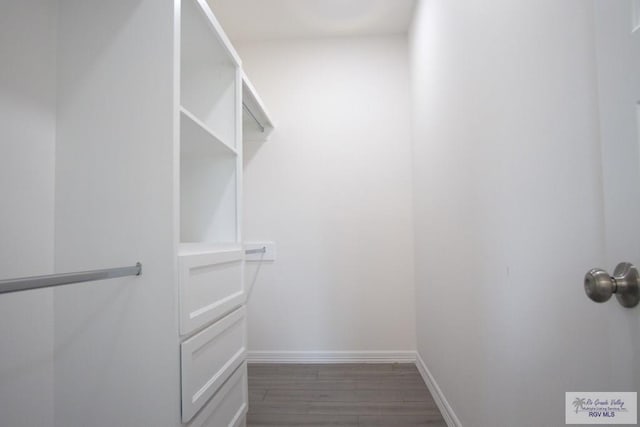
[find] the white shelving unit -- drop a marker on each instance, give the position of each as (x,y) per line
(210,154)
(209,70)
(210,254)
(144,105)
(208,184)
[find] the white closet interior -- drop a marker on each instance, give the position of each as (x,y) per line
(131,132)
(144,112)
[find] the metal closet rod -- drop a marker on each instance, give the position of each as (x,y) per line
(49,280)
(253,117)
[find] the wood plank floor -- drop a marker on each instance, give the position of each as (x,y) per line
(391,395)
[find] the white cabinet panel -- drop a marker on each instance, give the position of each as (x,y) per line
(209,358)
(229,406)
(211,284)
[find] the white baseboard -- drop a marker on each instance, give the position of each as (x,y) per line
(331,357)
(447,412)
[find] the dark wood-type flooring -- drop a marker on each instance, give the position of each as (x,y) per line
(391,395)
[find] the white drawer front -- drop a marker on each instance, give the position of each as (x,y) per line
(208,359)
(211,284)
(229,406)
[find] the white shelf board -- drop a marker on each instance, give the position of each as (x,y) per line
(200,248)
(196,137)
(253,102)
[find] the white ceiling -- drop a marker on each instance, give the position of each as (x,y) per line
(277,19)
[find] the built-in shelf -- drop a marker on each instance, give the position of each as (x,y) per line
(208,71)
(209,110)
(197,138)
(200,248)
(208,199)
(210,257)
(256,121)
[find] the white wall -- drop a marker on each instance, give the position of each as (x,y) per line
(333,189)
(27,144)
(508,206)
